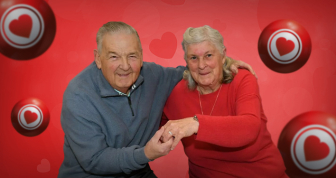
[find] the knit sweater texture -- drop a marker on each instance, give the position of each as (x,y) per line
(105,133)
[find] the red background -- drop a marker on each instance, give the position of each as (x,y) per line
(312,87)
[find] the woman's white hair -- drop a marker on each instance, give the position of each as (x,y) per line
(198,35)
(114,27)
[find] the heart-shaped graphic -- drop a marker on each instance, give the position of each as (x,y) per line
(22,26)
(164,48)
(174,2)
(284,46)
(314,149)
(30,117)
(44,166)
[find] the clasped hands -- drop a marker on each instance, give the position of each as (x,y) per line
(169,135)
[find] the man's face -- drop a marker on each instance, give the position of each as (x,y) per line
(120,60)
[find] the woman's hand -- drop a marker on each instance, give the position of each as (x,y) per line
(179,129)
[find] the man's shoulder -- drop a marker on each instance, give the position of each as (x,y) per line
(83,81)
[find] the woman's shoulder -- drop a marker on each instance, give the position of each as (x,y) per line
(243,74)
(181,89)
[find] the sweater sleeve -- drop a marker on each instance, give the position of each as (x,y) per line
(242,128)
(83,133)
(168,76)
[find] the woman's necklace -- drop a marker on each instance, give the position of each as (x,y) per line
(199,98)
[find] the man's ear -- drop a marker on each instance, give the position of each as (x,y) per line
(97,58)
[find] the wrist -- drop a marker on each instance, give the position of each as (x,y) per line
(196,119)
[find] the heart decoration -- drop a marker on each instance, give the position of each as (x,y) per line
(284,46)
(21,26)
(164,48)
(30,117)
(314,149)
(44,166)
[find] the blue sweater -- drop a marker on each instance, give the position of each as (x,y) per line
(105,133)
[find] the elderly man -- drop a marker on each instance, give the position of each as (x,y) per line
(112,109)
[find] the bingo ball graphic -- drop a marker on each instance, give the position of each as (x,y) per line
(30,117)
(284,46)
(308,145)
(27,30)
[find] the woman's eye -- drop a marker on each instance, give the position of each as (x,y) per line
(193,58)
(209,55)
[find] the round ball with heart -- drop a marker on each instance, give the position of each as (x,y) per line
(27,28)
(30,117)
(308,145)
(284,46)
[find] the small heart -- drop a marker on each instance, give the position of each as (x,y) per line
(44,166)
(174,2)
(284,46)
(22,26)
(314,149)
(30,117)
(164,48)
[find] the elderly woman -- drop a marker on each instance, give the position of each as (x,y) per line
(218,115)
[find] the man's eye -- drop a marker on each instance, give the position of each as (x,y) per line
(193,58)
(209,55)
(113,57)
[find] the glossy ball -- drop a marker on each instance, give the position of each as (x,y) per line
(30,117)
(27,28)
(308,145)
(284,46)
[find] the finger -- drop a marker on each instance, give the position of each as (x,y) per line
(167,135)
(168,143)
(158,134)
(176,141)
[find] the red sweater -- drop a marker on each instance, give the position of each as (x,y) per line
(233,141)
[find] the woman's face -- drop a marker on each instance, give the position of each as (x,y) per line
(205,63)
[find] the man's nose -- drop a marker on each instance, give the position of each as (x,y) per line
(124,64)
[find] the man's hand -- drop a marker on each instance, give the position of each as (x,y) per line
(179,129)
(155,148)
(240,64)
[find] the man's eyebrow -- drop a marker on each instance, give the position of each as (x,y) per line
(112,52)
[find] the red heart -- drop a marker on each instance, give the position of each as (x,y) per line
(284,46)
(174,2)
(164,48)
(22,26)
(30,117)
(314,149)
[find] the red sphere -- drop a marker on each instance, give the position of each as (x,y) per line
(30,117)
(308,145)
(284,46)
(27,28)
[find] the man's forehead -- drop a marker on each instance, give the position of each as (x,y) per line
(121,40)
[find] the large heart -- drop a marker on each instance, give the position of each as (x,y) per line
(314,149)
(284,46)
(164,48)
(30,117)
(22,26)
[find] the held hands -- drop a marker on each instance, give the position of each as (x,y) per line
(155,148)
(177,129)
